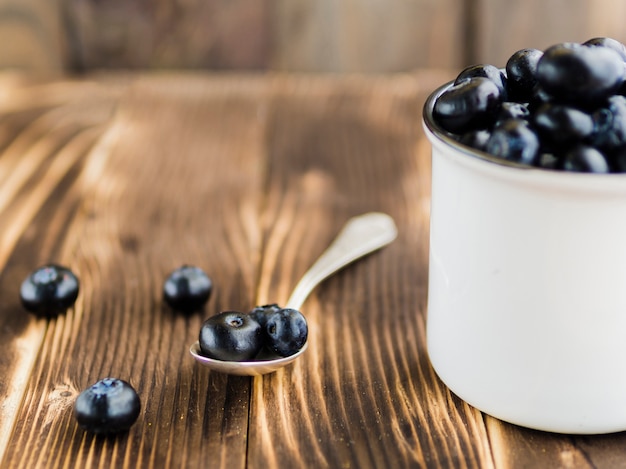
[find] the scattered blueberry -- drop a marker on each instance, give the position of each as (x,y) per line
(187,288)
(286,331)
(49,290)
(109,406)
(231,336)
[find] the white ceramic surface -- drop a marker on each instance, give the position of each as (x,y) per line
(527,289)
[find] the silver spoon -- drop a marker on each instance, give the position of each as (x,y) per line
(361,235)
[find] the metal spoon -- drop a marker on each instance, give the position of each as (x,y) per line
(361,235)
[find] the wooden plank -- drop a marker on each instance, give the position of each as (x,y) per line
(505,27)
(193,34)
(364,394)
(366,36)
(32,36)
(42,150)
(176,178)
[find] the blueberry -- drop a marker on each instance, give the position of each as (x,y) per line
(514,141)
(231,336)
(512,110)
(610,124)
(469,105)
(187,288)
(286,332)
(109,406)
(583,158)
(548,161)
(580,74)
(485,71)
(521,71)
(607,42)
(261,313)
(618,161)
(476,139)
(49,290)
(562,124)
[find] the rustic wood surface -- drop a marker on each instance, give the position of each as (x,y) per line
(365,36)
(125,177)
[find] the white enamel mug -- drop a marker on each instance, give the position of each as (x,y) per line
(527,289)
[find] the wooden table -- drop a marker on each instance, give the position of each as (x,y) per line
(125,177)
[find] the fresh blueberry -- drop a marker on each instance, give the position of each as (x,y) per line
(562,124)
(610,124)
(261,313)
(109,406)
(187,288)
(231,336)
(485,71)
(514,141)
(512,110)
(607,42)
(286,331)
(49,290)
(580,74)
(583,158)
(521,71)
(469,105)
(476,139)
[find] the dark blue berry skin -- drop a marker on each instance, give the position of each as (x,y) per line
(49,290)
(579,74)
(510,110)
(109,406)
(560,124)
(608,42)
(485,71)
(610,124)
(586,159)
(618,161)
(187,289)
(476,139)
(286,332)
(521,72)
(514,141)
(231,336)
(469,105)
(261,313)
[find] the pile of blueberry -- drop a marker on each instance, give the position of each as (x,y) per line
(563,108)
(266,332)
(112,405)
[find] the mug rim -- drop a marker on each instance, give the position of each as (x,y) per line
(446,138)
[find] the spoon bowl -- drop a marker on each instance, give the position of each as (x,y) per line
(361,235)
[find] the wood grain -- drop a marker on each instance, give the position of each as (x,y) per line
(32,36)
(371,348)
(213,34)
(125,177)
(506,27)
(366,36)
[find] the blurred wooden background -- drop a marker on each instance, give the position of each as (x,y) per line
(370,36)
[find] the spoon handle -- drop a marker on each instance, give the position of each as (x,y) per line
(360,236)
